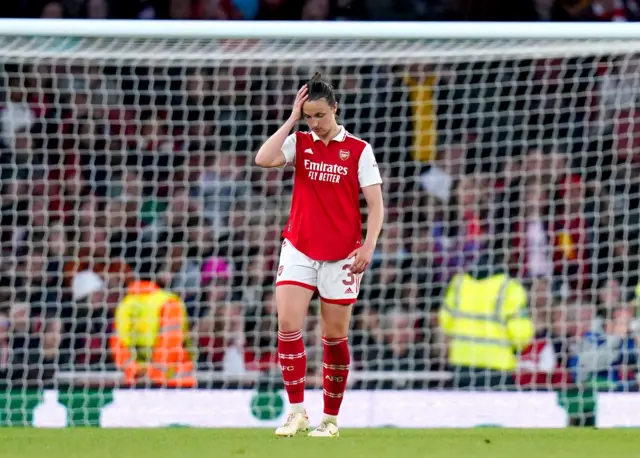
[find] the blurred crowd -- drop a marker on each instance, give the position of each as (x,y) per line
(349,10)
(114,173)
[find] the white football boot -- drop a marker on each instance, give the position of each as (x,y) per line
(325,429)
(296,422)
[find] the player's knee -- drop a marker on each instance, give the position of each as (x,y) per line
(332,330)
(335,320)
(289,324)
(290,319)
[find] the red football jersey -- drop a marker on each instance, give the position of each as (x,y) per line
(325,222)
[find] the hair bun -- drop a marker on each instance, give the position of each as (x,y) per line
(319,88)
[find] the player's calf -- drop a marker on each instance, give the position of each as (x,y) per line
(335,370)
(293,361)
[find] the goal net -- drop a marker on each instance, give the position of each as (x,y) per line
(132,158)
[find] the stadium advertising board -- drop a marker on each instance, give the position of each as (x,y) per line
(237,409)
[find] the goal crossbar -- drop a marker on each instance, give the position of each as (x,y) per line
(336,43)
(316,30)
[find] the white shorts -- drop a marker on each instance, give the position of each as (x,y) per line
(333,281)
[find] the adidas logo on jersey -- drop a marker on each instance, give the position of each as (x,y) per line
(308,151)
(349,291)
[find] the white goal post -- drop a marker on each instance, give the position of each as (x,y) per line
(128,151)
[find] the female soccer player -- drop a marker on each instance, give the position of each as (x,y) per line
(322,249)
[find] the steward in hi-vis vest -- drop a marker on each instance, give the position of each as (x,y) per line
(486,320)
(151,339)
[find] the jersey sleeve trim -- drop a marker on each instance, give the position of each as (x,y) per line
(289,149)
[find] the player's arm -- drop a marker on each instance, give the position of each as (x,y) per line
(279,149)
(370,183)
(375,216)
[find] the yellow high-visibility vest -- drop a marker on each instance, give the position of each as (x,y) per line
(137,320)
(486,321)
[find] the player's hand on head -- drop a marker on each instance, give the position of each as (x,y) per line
(361,258)
(301,97)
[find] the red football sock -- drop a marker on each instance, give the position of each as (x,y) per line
(293,361)
(334,373)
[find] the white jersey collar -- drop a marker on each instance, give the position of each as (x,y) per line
(342,134)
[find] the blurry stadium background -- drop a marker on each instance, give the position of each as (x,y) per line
(132,158)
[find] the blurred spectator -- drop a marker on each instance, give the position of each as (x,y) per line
(17,119)
(399,350)
(52,359)
(260,331)
(216,275)
(221,188)
(316,10)
(390,248)
(94,253)
(313,348)
(97,9)
(460,232)
(617,262)
(448,164)
(154,151)
(139,9)
(66,191)
(618,100)
(257,276)
(571,232)
(219,322)
(52,10)
(608,356)
(172,223)
(195,111)
(543,363)
(179,272)
(358,99)
(36,283)
(201,9)
(29,352)
(595,10)
(532,254)
(367,334)
(87,319)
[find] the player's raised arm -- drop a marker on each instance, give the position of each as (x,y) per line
(280,148)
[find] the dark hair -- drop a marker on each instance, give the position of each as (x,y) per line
(319,88)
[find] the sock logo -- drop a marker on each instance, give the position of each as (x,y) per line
(288,368)
(334,378)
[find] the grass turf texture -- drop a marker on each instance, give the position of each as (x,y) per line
(354,443)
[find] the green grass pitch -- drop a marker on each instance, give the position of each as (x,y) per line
(354,443)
